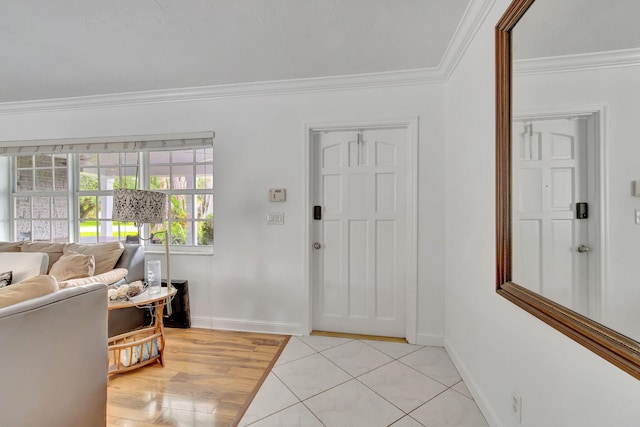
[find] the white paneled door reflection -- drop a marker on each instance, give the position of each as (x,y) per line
(550,176)
(360,181)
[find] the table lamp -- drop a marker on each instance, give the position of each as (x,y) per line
(143,207)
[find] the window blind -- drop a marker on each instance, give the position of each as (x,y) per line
(118,144)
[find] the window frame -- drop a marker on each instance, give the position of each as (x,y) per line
(15,194)
(78,192)
(73,194)
(145,174)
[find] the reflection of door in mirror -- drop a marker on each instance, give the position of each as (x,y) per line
(555,60)
(552,244)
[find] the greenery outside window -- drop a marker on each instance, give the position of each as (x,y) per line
(99,175)
(187,177)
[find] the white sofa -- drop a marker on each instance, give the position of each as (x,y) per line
(53,359)
(131,260)
(71,263)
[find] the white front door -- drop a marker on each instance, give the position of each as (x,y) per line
(551,244)
(359,181)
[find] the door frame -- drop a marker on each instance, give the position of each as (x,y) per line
(411,273)
(597,186)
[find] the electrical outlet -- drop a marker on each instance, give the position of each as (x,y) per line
(516,406)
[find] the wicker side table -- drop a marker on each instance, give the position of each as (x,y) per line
(140,347)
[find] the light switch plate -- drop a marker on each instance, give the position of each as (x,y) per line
(277,194)
(275,218)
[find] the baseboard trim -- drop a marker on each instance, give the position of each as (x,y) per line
(478,396)
(247,325)
(430,340)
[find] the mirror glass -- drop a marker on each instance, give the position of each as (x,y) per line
(575,157)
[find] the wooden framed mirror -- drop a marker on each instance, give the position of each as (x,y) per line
(580,309)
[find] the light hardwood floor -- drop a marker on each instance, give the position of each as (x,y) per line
(209,379)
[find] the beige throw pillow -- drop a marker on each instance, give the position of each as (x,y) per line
(54,250)
(73,265)
(108,278)
(106,254)
(27,289)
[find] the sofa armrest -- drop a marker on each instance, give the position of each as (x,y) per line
(133,260)
(59,339)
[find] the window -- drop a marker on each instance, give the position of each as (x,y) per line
(40,200)
(68,197)
(98,175)
(187,177)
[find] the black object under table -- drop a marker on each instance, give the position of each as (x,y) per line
(180,316)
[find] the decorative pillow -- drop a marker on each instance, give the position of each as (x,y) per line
(73,265)
(10,246)
(54,250)
(27,289)
(5,278)
(109,277)
(106,254)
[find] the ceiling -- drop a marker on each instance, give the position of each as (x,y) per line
(71,48)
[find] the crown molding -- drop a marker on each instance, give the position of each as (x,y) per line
(468,27)
(293,86)
(579,62)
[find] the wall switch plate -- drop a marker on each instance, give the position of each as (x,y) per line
(275,218)
(638,216)
(277,194)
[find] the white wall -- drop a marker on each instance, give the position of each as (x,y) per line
(5,212)
(256,280)
(497,346)
(616,90)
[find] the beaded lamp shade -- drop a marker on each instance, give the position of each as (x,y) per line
(139,206)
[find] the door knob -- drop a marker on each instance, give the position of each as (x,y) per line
(317,245)
(583,248)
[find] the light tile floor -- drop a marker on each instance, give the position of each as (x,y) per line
(326,381)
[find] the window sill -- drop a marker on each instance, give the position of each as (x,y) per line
(159,250)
